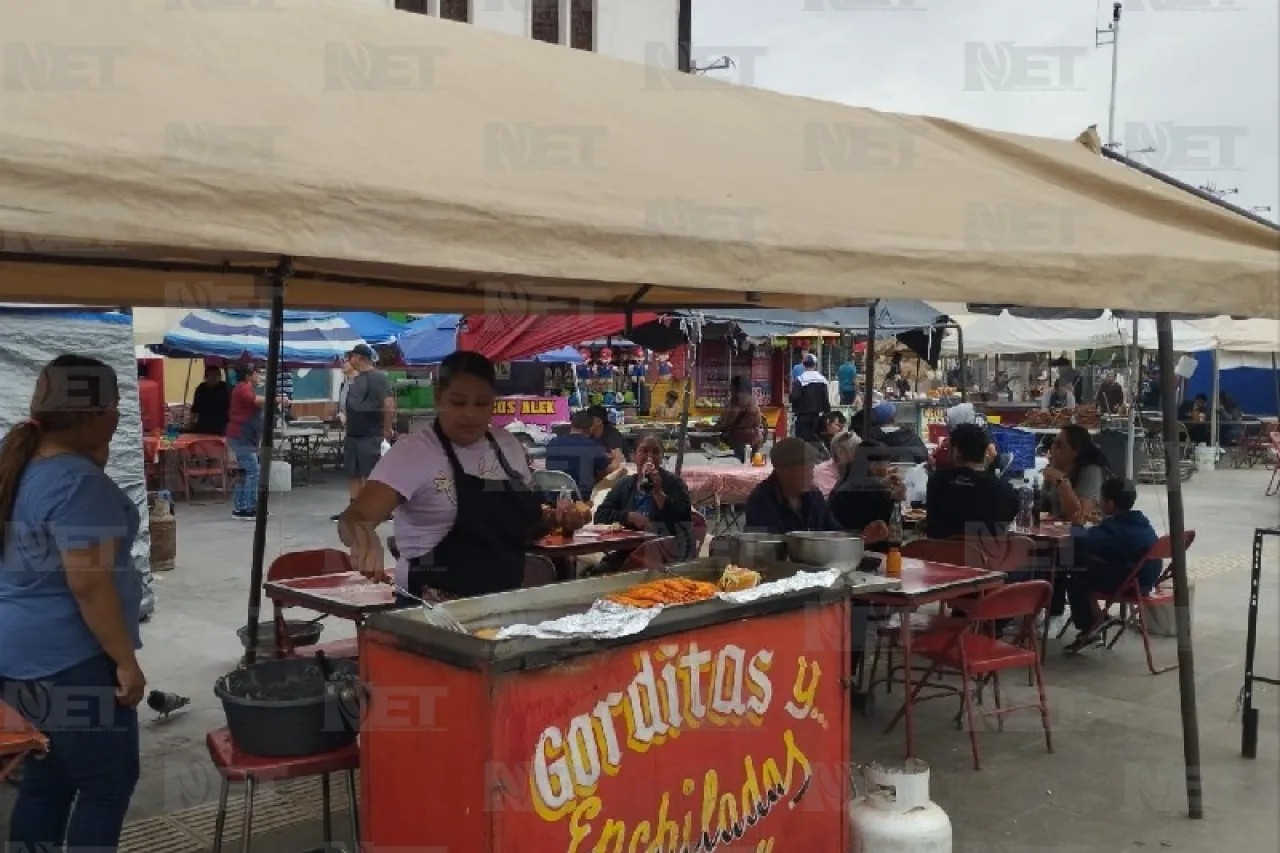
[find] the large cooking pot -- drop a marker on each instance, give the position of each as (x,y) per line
(828,549)
(755,550)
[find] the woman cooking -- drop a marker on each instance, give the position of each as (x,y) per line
(459,495)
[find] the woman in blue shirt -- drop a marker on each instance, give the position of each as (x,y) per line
(69,607)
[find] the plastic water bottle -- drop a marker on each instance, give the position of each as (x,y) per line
(1026,499)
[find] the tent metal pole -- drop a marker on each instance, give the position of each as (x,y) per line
(1213,404)
(1178,550)
(1134,389)
(1275,376)
(275,339)
(869,372)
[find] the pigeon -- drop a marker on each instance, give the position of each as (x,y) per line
(165,704)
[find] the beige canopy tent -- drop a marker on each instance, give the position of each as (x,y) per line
(405,162)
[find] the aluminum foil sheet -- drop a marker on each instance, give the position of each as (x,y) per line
(604,620)
(795,583)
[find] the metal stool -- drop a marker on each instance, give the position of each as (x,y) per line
(236,766)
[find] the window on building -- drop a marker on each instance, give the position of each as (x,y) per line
(582,23)
(417,6)
(545,23)
(456,10)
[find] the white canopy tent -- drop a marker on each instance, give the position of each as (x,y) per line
(1243,343)
(1005,334)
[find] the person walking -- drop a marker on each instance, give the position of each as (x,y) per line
(70,601)
(370,418)
(810,399)
(848,377)
(244,434)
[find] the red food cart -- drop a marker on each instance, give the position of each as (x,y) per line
(720,724)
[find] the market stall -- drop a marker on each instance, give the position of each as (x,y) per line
(686,729)
(458,241)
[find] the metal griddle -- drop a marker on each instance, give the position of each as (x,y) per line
(408,629)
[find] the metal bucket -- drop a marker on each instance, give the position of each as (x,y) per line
(754,550)
(829,549)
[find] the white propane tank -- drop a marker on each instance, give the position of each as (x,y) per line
(895,815)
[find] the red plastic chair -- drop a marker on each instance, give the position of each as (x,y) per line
(538,570)
(18,738)
(206,459)
(700,527)
(308,564)
(236,766)
(1273,487)
(888,631)
(970,650)
(1129,595)
(653,555)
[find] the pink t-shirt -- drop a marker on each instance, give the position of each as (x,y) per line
(418,469)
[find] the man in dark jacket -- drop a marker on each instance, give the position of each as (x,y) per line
(966,498)
(787,500)
(810,399)
(1105,556)
(653,499)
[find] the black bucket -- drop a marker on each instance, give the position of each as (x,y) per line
(300,634)
(285,708)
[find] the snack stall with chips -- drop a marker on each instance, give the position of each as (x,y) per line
(647,710)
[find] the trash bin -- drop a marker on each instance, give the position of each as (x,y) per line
(1112,443)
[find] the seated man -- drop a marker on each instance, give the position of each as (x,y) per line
(787,500)
(863,501)
(653,499)
(579,455)
(966,497)
(902,442)
(609,436)
(1105,556)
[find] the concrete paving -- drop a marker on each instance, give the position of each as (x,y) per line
(1113,785)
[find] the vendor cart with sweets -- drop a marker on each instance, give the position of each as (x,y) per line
(579,717)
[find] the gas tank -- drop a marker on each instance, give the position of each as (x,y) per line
(895,814)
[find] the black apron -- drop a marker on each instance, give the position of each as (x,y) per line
(484,551)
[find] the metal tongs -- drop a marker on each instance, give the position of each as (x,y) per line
(432,613)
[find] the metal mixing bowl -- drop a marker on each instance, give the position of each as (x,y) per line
(828,549)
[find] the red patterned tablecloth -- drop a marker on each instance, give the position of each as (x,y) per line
(731,484)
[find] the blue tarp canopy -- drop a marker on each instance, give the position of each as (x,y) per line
(427,340)
(564,355)
(376,329)
(310,337)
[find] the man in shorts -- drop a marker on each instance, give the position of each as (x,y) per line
(370,417)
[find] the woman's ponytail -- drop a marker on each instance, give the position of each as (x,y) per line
(17,450)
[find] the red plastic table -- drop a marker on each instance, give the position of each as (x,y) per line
(925,582)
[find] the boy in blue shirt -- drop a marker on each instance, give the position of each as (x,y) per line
(1105,556)
(848,377)
(579,455)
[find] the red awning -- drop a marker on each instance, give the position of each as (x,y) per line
(508,338)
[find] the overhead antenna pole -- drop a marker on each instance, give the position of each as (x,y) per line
(1101,41)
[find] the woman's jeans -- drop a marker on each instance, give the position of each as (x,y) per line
(76,794)
(245,495)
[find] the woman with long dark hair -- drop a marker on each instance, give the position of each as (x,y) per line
(1073,480)
(69,606)
(459,494)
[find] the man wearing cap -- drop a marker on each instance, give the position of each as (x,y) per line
(787,499)
(370,417)
(810,399)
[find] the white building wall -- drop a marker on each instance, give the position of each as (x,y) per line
(635,30)
(638,31)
